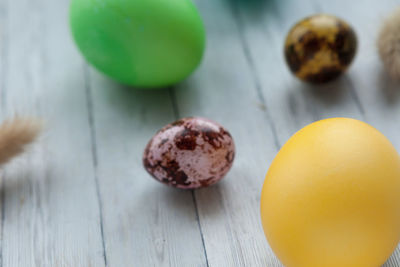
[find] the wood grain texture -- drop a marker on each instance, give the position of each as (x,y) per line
(49,203)
(377,93)
(80,197)
(144,222)
(224,89)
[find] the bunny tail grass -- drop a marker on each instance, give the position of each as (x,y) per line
(15,135)
(389,44)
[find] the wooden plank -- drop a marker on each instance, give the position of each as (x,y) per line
(376,91)
(3,71)
(145,222)
(266,84)
(223,89)
(87,167)
(341,98)
(4,42)
(293,104)
(50,207)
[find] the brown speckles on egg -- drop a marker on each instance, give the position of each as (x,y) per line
(230,156)
(177,123)
(186,140)
(320,48)
(172,169)
(190,153)
(312,44)
(213,137)
(325,74)
(207,182)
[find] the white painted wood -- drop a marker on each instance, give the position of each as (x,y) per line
(223,89)
(80,197)
(49,202)
(290,102)
(293,104)
(378,94)
(145,222)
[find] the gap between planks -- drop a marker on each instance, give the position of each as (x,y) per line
(177,116)
(93,138)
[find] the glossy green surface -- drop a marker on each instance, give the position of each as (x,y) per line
(143,43)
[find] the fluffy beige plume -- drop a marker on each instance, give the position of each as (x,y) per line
(15,135)
(389,44)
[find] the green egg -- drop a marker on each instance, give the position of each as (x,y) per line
(142,43)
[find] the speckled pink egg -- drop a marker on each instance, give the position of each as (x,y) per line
(190,153)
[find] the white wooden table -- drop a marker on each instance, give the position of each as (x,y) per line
(80,197)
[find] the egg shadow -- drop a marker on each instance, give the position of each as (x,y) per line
(330,93)
(178,200)
(209,200)
(150,108)
(255,9)
(389,87)
(254,5)
(185,203)
(125,97)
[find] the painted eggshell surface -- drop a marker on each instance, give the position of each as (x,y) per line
(320,48)
(190,153)
(332,197)
(142,43)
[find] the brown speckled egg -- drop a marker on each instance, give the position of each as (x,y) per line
(190,153)
(320,48)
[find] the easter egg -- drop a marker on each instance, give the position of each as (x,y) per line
(320,48)
(331,197)
(143,43)
(190,153)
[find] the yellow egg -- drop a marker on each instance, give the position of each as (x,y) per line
(331,197)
